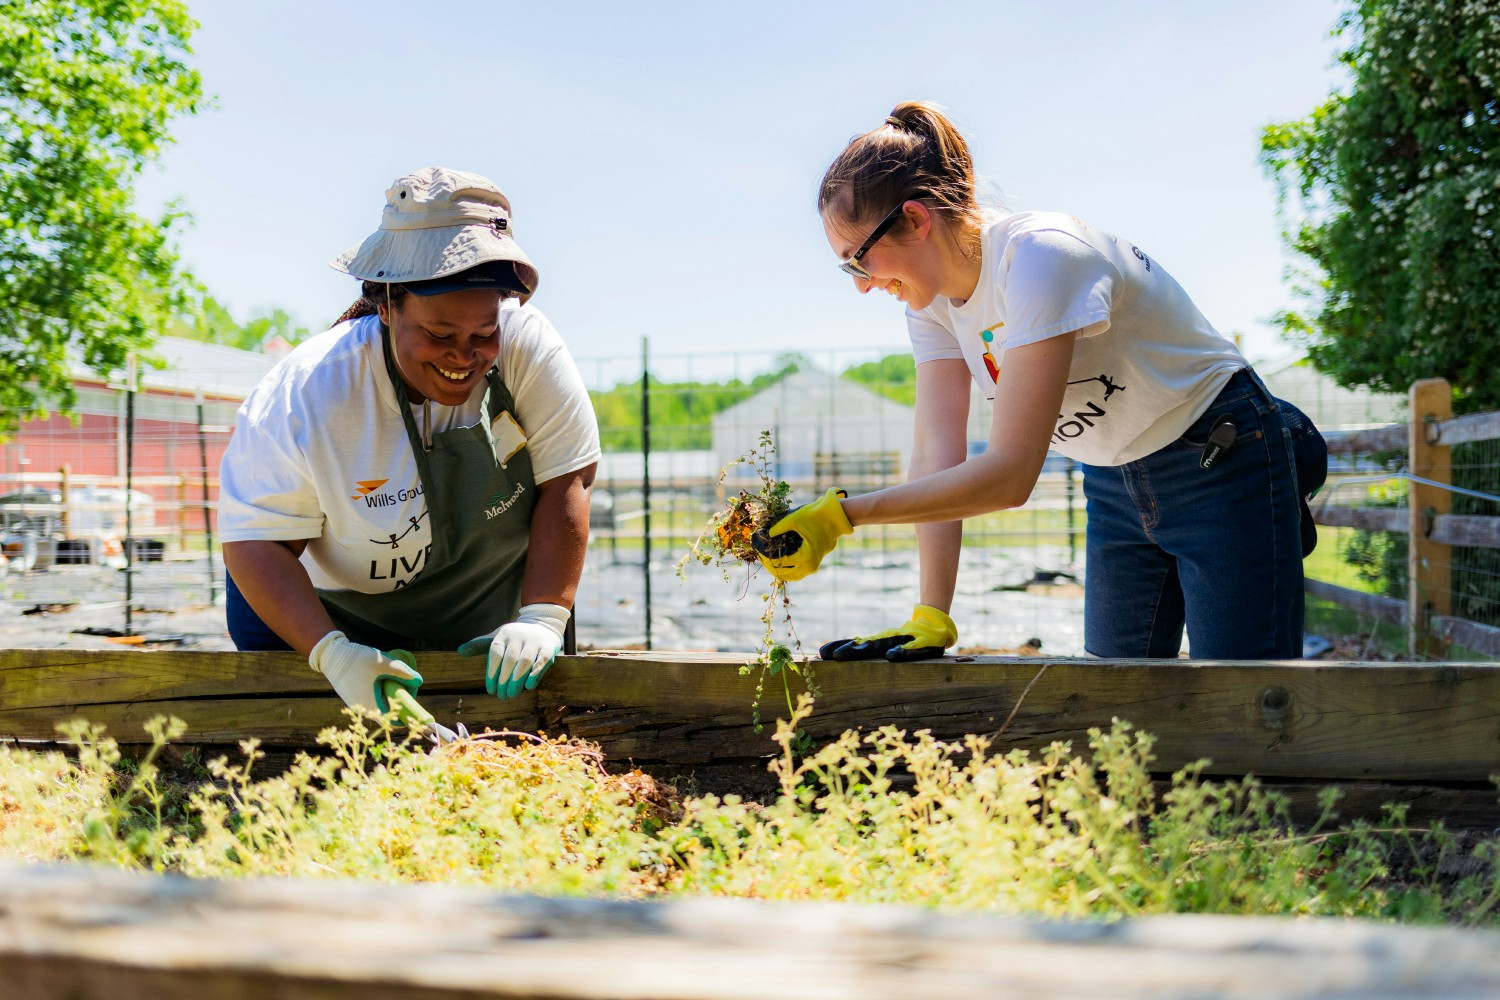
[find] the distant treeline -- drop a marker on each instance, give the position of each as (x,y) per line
(682,412)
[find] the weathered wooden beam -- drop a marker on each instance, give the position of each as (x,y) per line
(1467,531)
(68,932)
(58,676)
(1467,429)
(1315,719)
(1389,438)
(1469,807)
(1391,610)
(1366,518)
(1429,562)
(1471,635)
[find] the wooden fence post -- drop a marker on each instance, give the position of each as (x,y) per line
(179,495)
(1429,573)
(64,520)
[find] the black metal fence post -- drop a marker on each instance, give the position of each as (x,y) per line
(129,489)
(208,529)
(646,480)
(1072,541)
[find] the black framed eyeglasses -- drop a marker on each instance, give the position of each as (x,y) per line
(852,265)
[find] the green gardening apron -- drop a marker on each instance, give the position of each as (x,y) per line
(479,504)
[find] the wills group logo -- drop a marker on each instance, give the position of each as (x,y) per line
(365,487)
(369,490)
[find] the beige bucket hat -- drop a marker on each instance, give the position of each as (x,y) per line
(438,222)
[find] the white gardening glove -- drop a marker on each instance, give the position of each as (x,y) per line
(356,671)
(520,652)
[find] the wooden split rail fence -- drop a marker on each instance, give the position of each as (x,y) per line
(1432,529)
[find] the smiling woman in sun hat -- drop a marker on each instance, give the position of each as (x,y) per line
(418,476)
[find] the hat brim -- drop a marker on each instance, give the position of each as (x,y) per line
(425,254)
(499,276)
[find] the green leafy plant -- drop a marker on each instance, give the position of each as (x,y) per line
(881,816)
(1390,190)
(89,92)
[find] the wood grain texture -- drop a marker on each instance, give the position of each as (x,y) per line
(68,932)
(1346,721)
(1471,635)
(1392,437)
(1428,561)
(1467,530)
(1365,518)
(43,677)
(1468,429)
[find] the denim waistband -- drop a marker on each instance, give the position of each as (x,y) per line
(1243,384)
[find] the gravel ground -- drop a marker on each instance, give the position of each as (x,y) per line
(994,606)
(171,601)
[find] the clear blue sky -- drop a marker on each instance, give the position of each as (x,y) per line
(662,159)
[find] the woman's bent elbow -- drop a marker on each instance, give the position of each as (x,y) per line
(1005,490)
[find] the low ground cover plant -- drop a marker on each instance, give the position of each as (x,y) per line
(886,816)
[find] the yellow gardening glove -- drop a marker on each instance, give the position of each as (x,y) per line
(923,638)
(812,531)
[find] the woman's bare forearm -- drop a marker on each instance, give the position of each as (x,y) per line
(278,589)
(559,539)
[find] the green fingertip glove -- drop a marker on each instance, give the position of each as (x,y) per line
(397,685)
(924,637)
(812,531)
(401,695)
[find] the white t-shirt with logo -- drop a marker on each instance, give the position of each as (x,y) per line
(320,450)
(1146,363)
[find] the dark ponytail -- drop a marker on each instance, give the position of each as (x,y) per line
(918,154)
(372,294)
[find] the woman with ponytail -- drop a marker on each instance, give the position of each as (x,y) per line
(1195,475)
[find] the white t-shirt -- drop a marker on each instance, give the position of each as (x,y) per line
(1146,363)
(320,450)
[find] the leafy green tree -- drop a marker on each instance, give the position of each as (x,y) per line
(1397,186)
(893,376)
(212,323)
(681,412)
(87,89)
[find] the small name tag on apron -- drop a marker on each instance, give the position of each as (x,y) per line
(507,435)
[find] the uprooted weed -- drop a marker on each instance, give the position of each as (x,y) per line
(887,816)
(737,535)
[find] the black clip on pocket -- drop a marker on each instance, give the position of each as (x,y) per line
(1220,439)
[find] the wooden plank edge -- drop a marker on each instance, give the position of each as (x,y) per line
(1393,519)
(66,927)
(1390,610)
(1471,635)
(1391,437)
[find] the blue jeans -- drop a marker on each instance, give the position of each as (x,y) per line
(246,629)
(1219,549)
